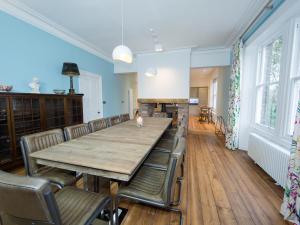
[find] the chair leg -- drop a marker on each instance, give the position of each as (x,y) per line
(179,212)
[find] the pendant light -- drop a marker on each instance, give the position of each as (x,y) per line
(122,52)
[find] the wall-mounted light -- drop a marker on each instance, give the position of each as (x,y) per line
(151,72)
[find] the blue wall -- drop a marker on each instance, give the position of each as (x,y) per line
(26,51)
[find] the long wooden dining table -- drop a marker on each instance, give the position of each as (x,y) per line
(114,153)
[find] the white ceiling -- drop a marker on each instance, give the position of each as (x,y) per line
(178,24)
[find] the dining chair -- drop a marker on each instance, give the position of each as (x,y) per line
(114,120)
(37,142)
(161,159)
(168,145)
(76,131)
(156,187)
(96,125)
(27,200)
(125,117)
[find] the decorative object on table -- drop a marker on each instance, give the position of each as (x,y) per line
(59,92)
(71,70)
(139,121)
(35,85)
(6,88)
(121,52)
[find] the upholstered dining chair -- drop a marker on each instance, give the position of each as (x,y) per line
(159,159)
(96,125)
(39,141)
(76,131)
(125,117)
(155,186)
(168,145)
(114,120)
(27,200)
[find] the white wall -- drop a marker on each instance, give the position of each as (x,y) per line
(173,74)
(199,58)
(209,58)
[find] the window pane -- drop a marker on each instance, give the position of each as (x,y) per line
(267,98)
(294,103)
(272,59)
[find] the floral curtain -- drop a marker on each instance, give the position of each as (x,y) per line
(290,207)
(231,141)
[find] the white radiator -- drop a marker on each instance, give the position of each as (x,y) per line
(270,157)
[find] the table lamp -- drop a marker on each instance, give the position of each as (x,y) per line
(71,70)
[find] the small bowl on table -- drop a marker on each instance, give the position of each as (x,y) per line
(6,88)
(59,92)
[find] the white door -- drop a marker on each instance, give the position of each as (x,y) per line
(91,86)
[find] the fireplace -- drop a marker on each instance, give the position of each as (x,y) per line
(171,108)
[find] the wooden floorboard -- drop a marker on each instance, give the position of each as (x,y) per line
(221,187)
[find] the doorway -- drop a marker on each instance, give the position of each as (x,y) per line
(90,85)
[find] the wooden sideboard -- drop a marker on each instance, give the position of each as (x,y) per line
(26,113)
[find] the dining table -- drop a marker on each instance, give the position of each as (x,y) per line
(114,153)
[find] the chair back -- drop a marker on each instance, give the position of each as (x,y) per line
(114,120)
(36,142)
(173,171)
(76,131)
(96,125)
(27,200)
(180,133)
(125,117)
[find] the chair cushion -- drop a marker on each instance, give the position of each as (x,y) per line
(146,185)
(57,176)
(78,206)
(158,160)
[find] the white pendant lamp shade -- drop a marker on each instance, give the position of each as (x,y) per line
(122,53)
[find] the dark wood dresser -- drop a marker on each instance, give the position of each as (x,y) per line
(25,113)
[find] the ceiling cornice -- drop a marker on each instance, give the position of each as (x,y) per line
(251,11)
(23,12)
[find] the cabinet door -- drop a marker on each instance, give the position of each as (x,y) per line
(5,134)
(75,114)
(54,112)
(26,117)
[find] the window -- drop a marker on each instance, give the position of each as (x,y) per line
(214,93)
(294,79)
(267,86)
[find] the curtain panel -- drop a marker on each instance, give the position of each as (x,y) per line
(231,141)
(290,207)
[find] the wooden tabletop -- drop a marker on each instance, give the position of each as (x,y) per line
(115,152)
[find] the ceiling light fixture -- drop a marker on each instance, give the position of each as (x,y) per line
(157,45)
(151,72)
(122,52)
(158,48)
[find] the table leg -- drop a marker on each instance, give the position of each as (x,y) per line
(114,186)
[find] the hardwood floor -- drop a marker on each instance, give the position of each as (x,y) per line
(221,187)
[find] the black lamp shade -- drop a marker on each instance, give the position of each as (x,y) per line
(70,69)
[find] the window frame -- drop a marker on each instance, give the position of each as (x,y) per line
(259,83)
(293,75)
(278,134)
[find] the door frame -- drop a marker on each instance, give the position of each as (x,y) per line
(87,74)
